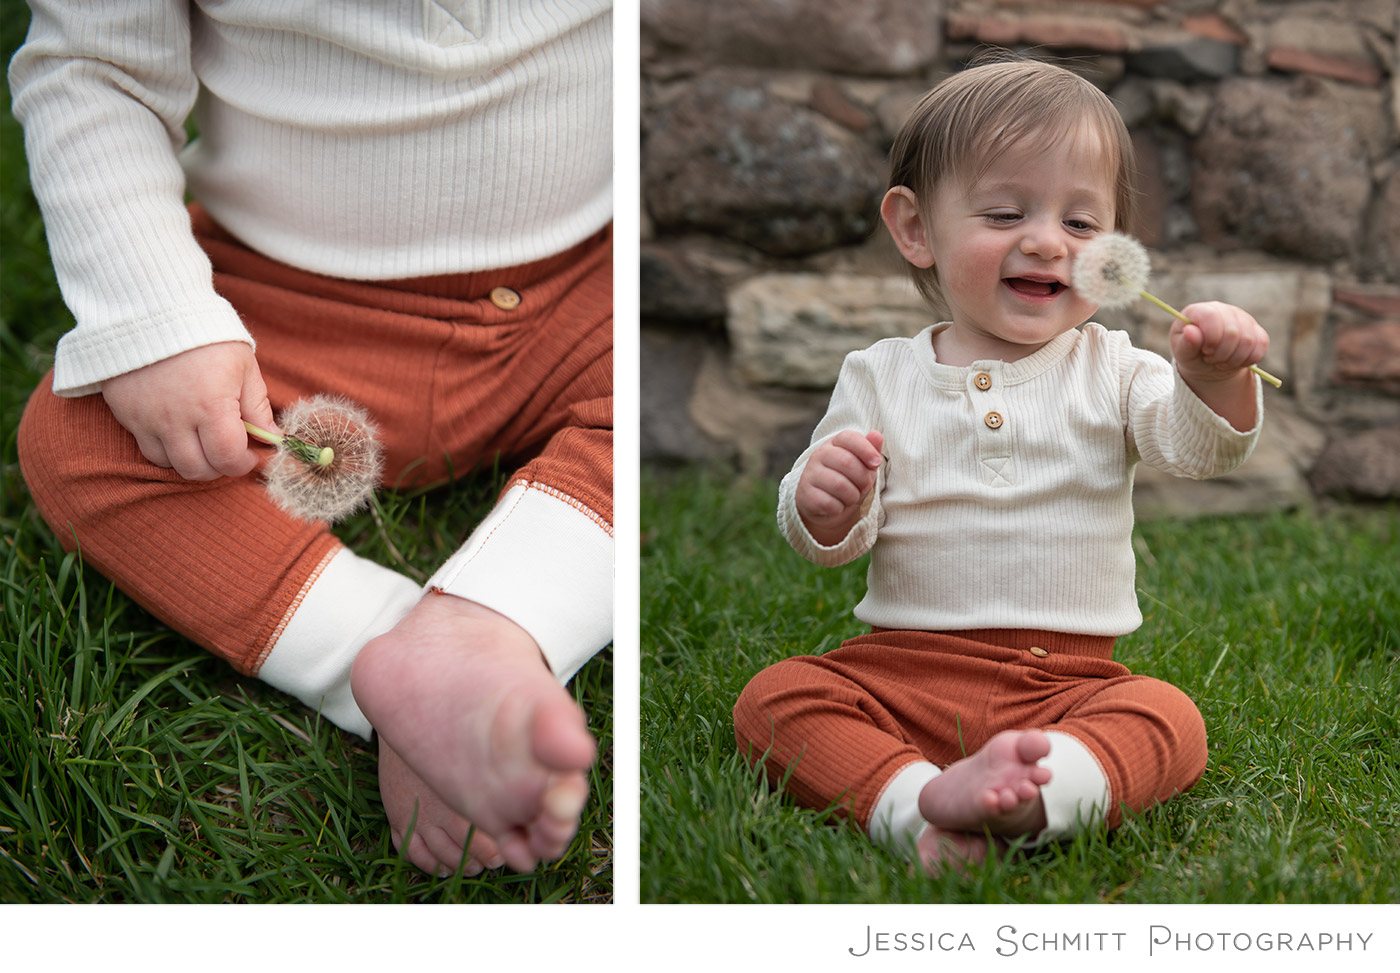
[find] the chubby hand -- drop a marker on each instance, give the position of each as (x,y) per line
(1220,342)
(838,477)
(187,411)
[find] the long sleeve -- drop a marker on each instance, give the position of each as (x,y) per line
(1172,430)
(103,91)
(362,141)
(855,406)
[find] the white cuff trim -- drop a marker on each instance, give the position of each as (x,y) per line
(349,602)
(1077,796)
(546,563)
(895,821)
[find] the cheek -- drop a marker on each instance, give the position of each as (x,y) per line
(975,264)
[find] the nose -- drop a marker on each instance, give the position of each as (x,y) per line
(1044,239)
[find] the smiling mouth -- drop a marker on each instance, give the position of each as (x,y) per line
(1034,288)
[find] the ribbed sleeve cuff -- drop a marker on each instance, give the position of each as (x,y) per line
(857,541)
(87,357)
(1199,432)
(544,561)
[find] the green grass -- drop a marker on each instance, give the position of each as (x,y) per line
(136,768)
(1285,629)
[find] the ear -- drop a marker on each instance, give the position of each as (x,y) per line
(900,211)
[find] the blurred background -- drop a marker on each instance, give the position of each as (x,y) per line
(1266,133)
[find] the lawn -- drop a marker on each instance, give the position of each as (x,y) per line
(136,768)
(1284,627)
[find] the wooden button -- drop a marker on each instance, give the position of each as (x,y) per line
(1038,652)
(505,298)
(993,420)
(982,380)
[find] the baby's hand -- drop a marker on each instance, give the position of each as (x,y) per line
(838,477)
(187,411)
(1220,342)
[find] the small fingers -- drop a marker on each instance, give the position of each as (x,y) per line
(1222,336)
(224,443)
(153,449)
(186,454)
(863,449)
(833,491)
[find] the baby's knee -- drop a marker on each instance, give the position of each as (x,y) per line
(1189,729)
(46,451)
(1180,731)
(70,454)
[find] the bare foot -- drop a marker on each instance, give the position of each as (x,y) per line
(996,790)
(939,849)
(463,695)
(439,833)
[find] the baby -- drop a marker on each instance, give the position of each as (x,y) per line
(987,464)
(408,205)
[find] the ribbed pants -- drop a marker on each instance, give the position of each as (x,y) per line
(451,377)
(839,727)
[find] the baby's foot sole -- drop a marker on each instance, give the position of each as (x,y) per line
(463,695)
(996,789)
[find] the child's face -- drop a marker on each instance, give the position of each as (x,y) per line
(1005,245)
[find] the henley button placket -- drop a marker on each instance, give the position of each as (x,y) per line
(985,387)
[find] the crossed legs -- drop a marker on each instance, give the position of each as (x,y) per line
(481,733)
(949,741)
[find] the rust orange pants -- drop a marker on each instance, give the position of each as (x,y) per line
(451,379)
(844,723)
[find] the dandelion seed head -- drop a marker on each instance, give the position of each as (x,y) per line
(335,491)
(1112,270)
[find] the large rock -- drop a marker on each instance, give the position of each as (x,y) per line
(1286,166)
(735,161)
(1183,56)
(674,288)
(750,419)
(1382,252)
(794,330)
(1368,356)
(881,37)
(1361,464)
(670,363)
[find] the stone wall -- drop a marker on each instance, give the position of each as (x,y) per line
(1267,140)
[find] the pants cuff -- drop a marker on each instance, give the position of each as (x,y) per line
(895,821)
(1077,796)
(345,603)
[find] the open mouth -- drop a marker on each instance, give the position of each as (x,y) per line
(1034,288)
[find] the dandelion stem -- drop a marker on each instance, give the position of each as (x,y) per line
(1275,382)
(300,448)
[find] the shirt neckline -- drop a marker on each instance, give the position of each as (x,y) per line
(1021,370)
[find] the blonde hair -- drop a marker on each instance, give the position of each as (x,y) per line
(963,125)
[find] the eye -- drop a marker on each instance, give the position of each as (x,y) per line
(1081,226)
(1001,218)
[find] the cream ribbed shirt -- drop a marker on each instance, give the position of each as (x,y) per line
(366,140)
(1022,519)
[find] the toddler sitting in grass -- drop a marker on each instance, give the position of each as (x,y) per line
(407,205)
(987,464)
